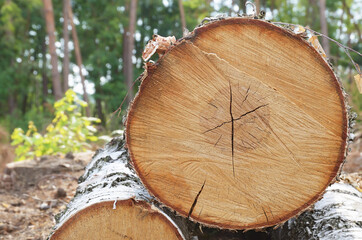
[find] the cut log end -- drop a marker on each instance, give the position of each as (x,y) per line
(243,125)
(127,219)
(111,203)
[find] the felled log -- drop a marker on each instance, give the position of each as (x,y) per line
(336,216)
(111,203)
(240,125)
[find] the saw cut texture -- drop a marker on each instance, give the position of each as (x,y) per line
(242,125)
(118,220)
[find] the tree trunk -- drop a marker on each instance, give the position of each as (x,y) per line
(50,26)
(128,49)
(242,5)
(9,37)
(24,104)
(11,102)
(272,7)
(324,27)
(99,107)
(78,58)
(336,216)
(241,125)
(257,5)
(110,190)
(314,12)
(66,6)
(356,26)
(44,75)
(182,15)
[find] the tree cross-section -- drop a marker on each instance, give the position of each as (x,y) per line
(241,124)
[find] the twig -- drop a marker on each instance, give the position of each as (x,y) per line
(346,49)
(119,109)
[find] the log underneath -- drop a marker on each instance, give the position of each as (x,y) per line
(240,125)
(338,215)
(111,203)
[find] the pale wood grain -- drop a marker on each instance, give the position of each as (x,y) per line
(239,127)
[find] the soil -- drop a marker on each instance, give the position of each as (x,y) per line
(353,162)
(33,192)
(30,196)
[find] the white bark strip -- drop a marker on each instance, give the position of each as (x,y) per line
(338,215)
(108,177)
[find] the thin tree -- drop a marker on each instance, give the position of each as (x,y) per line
(242,5)
(257,5)
(272,6)
(324,26)
(50,26)
(182,15)
(9,37)
(128,49)
(356,26)
(78,58)
(44,75)
(66,5)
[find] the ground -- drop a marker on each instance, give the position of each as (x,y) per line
(33,192)
(28,204)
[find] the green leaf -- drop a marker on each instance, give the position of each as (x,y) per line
(92,138)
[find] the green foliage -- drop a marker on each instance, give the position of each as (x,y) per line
(25,72)
(38,115)
(68,132)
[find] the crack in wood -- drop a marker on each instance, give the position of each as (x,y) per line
(236,119)
(232,127)
(213,105)
(207,118)
(201,211)
(251,146)
(271,212)
(232,121)
(217,127)
(246,96)
(266,216)
(195,201)
(253,136)
(251,111)
(217,141)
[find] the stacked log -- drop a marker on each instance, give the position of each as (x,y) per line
(111,203)
(240,125)
(336,216)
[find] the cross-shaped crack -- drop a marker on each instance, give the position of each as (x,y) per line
(233,120)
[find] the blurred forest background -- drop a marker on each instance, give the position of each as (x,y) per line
(95,48)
